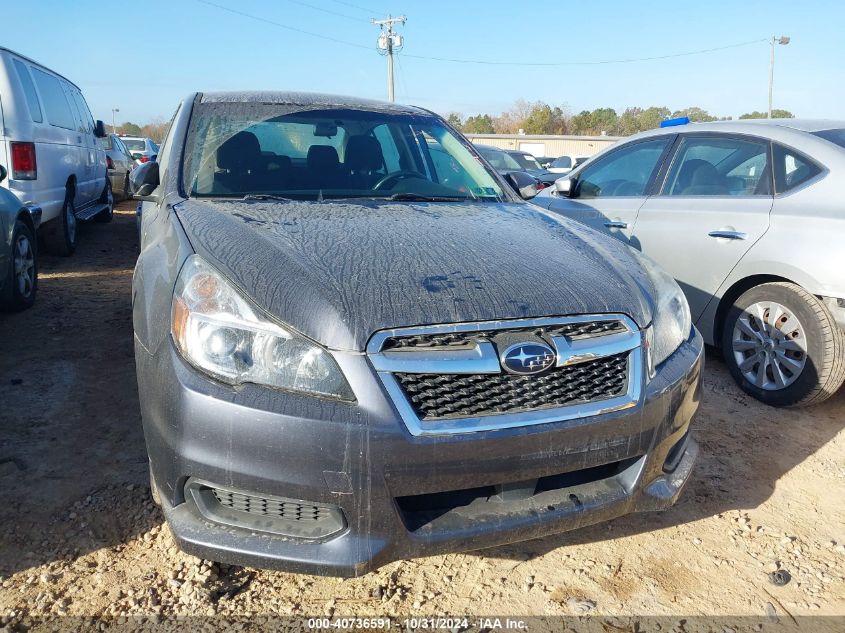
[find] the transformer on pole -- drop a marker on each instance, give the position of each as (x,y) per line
(389,41)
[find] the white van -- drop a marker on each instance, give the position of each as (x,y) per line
(48,144)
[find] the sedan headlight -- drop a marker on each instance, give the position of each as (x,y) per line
(218,331)
(672,322)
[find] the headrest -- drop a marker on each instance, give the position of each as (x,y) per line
(322,157)
(363,153)
(240,152)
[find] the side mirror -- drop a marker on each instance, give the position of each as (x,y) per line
(564,186)
(524,184)
(143,180)
(2,173)
(99,129)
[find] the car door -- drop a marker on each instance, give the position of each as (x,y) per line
(713,204)
(608,193)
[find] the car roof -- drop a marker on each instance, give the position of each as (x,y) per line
(40,65)
(309,99)
(772,128)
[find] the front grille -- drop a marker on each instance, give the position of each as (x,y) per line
(576,330)
(290,510)
(440,396)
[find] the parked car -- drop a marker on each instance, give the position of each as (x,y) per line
(343,361)
(532,166)
(49,142)
(545,161)
(747,216)
(505,164)
(18,249)
(142,149)
(119,164)
(562,165)
(577,161)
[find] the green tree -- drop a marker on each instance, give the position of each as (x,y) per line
(479,124)
(695,114)
(543,119)
(455,119)
(651,118)
(776,114)
(129,129)
(603,120)
(629,122)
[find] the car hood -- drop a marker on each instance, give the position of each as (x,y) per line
(339,271)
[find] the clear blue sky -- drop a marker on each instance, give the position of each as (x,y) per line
(147,54)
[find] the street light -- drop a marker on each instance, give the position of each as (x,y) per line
(116,110)
(783,40)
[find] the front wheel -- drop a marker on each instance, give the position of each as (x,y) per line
(60,234)
(783,347)
(22,280)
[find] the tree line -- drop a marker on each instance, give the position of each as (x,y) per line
(541,118)
(156,129)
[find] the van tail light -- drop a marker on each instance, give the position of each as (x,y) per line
(24,164)
(109,163)
(144,158)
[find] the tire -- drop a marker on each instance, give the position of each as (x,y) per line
(21,283)
(107,197)
(783,347)
(60,234)
(154,493)
(126,195)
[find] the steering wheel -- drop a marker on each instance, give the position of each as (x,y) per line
(397,175)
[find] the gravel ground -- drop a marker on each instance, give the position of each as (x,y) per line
(80,536)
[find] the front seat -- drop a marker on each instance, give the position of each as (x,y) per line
(707,181)
(240,164)
(364,161)
(323,167)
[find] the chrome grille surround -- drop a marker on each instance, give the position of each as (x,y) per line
(470,351)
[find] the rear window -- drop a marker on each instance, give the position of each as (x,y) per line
(55,102)
(29,91)
(834,136)
(563,162)
(526,161)
(135,144)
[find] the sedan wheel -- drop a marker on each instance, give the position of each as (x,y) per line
(24,266)
(769,345)
(17,291)
(783,346)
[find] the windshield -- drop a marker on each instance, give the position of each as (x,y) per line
(135,144)
(242,149)
(564,162)
(834,136)
(527,161)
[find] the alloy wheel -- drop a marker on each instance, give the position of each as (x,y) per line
(769,345)
(24,266)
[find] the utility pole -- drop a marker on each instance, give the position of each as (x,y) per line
(113,111)
(784,40)
(388,41)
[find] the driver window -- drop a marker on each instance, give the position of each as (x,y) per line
(625,172)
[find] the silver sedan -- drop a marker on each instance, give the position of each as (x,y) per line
(748,217)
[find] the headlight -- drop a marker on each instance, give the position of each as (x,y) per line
(672,322)
(223,334)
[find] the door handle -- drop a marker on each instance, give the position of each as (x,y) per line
(616,224)
(728,235)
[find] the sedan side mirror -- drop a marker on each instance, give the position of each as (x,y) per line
(99,129)
(143,180)
(564,186)
(524,184)
(2,173)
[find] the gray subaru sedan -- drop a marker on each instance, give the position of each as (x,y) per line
(357,343)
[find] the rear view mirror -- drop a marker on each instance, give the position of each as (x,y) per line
(524,184)
(143,180)
(99,129)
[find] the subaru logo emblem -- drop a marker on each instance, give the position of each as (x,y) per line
(525,359)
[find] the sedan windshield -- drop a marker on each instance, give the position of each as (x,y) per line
(135,144)
(526,161)
(255,149)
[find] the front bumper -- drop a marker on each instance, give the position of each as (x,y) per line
(360,458)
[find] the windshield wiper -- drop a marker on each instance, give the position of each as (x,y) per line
(424,198)
(265,196)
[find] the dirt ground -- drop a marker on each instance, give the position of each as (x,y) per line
(79,534)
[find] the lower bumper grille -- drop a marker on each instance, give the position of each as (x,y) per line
(451,396)
(277,515)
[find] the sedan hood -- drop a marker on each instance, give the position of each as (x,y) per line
(339,271)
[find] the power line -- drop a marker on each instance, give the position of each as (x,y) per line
(485,62)
(355,6)
(284,26)
(329,11)
(628,60)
